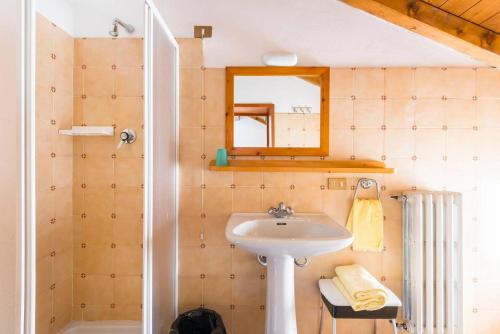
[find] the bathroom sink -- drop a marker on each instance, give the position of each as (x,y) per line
(300,235)
(281,240)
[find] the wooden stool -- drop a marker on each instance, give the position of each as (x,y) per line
(340,308)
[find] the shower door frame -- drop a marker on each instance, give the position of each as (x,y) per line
(27,229)
(27,238)
(151,13)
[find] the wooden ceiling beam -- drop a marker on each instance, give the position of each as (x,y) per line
(443,27)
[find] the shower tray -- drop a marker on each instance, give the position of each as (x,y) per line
(103,327)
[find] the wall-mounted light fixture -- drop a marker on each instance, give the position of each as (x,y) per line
(279,59)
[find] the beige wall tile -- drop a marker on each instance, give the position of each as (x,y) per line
(190,291)
(342,113)
(216,260)
(93,259)
(128,290)
(430,144)
(129,81)
(430,82)
(129,51)
(217,201)
(488,82)
(191,112)
(54,206)
(429,113)
(191,54)
(128,202)
(248,319)
(399,83)
(190,231)
(190,82)
(95,52)
(368,113)
(94,290)
(488,113)
(466,78)
(127,232)
(342,144)
(190,261)
(341,82)
(368,83)
(217,290)
(215,230)
(128,172)
(247,199)
(248,179)
(97,110)
(99,81)
(191,173)
(368,144)
(460,113)
(214,138)
(127,260)
(399,113)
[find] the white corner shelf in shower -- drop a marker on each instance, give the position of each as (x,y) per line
(89,131)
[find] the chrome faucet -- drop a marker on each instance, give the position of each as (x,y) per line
(281,211)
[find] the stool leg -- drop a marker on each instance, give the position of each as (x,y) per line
(394,326)
(334,326)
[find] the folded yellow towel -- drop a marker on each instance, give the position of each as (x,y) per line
(360,288)
(366,223)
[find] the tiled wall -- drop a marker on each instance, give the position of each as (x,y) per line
(297,130)
(54,163)
(439,128)
(108,182)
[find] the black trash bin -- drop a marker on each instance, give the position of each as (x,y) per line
(198,321)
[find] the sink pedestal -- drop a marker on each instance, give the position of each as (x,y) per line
(280,299)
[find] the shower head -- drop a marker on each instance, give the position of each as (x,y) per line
(116,22)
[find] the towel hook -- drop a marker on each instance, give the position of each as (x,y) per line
(367,184)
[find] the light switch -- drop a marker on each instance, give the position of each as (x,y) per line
(337,183)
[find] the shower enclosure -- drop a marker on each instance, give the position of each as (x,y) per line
(101,243)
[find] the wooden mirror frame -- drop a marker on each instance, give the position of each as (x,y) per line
(323,72)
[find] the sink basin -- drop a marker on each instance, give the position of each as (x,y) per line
(282,240)
(301,235)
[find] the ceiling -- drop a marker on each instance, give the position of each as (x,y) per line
(485,13)
(320,32)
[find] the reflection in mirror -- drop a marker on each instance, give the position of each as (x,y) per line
(277,111)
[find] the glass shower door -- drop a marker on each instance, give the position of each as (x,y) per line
(160,219)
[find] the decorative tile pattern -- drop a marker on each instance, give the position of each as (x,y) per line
(89,196)
(109,73)
(397,115)
(54,96)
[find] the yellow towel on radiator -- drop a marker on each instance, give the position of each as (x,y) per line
(366,223)
(360,288)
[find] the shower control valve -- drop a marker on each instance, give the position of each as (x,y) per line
(127,136)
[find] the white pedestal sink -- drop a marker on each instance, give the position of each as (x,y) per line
(282,240)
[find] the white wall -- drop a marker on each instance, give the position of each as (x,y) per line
(10,176)
(283,91)
(249,133)
(60,12)
(93,18)
(320,32)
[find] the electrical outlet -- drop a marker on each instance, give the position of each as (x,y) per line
(337,183)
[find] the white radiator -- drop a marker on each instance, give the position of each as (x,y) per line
(432,253)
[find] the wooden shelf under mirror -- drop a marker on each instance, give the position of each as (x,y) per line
(308,166)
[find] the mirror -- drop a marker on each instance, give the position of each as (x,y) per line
(277,110)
